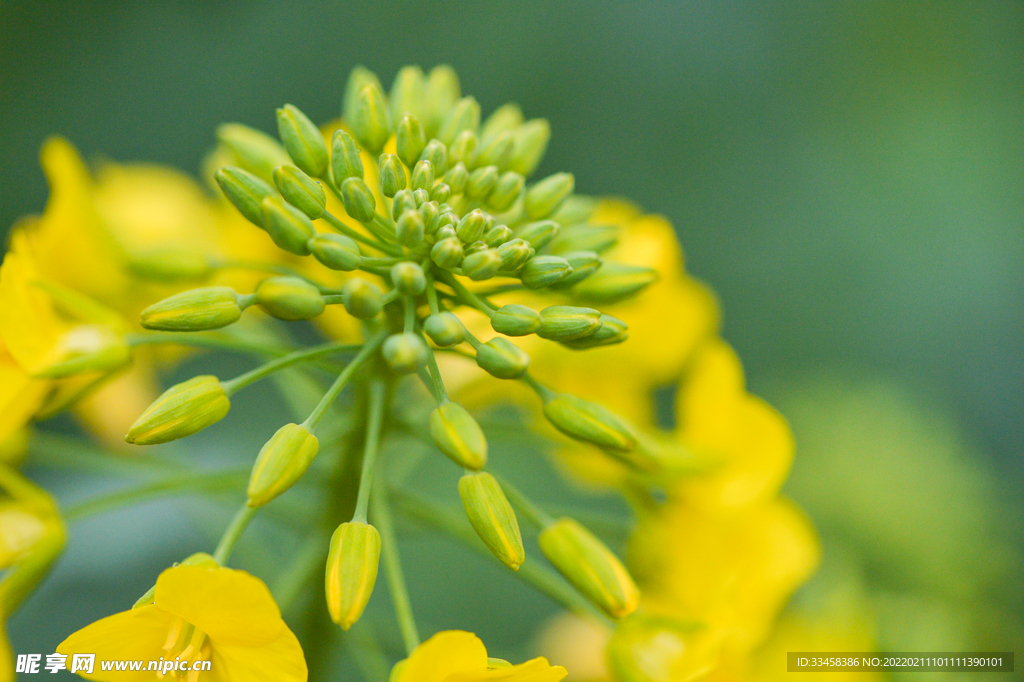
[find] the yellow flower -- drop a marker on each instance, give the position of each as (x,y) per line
(457,656)
(21,396)
(220,615)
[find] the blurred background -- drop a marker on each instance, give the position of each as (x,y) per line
(847,176)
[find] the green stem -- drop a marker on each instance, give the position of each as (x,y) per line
(234,531)
(537,516)
(363,645)
(428,271)
(467,296)
(409,308)
(433,379)
(200,340)
(545,393)
(393,570)
(371,446)
(233,385)
(344,229)
(343,378)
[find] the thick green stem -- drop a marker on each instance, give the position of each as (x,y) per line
(344,229)
(467,296)
(537,516)
(393,570)
(374,420)
(233,532)
(369,348)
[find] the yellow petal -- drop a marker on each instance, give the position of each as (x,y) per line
(444,655)
(280,660)
(134,635)
(20,395)
(232,607)
(537,670)
(29,326)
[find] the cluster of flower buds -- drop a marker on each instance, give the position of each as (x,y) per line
(435,203)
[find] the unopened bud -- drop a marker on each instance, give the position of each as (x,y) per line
(575,210)
(447,253)
(300,190)
(358,79)
(194,310)
(423,176)
(408,92)
(462,149)
(497,235)
(245,191)
(566,322)
(492,517)
(371,122)
(88,348)
(289,298)
(457,435)
(405,353)
(362,299)
(543,271)
(351,571)
(515,320)
(302,140)
(481,265)
(437,154)
(392,175)
(181,410)
(472,226)
(456,178)
(252,149)
(288,227)
(410,229)
(442,93)
(282,461)
(403,202)
(584,264)
(590,422)
(481,182)
(410,140)
(612,331)
(539,234)
(465,115)
(594,238)
(546,196)
(590,566)
(615,281)
(170,265)
(430,213)
(408,278)
(506,191)
(501,358)
(531,143)
(345,159)
(444,329)
(514,254)
(358,200)
(496,151)
(440,192)
(336,251)
(507,117)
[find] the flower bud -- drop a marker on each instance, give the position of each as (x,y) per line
(531,143)
(538,234)
(421,196)
(497,151)
(507,117)
(611,331)
(408,278)
(301,191)
(252,149)
(423,175)
(584,264)
(403,202)
(575,210)
(515,320)
(289,298)
(362,299)
(336,251)
(440,193)
(181,410)
(392,175)
(371,120)
(566,322)
(590,566)
(543,271)
(405,353)
(446,229)
(456,178)
(472,226)
(358,79)
(506,190)
(281,462)
(430,213)
(409,228)
(501,358)
(194,310)
(358,199)
(497,235)
(474,247)
(492,517)
(481,182)
(546,196)
(465,115)
(595,238)
(88,348)
(463,147)
(302,140)
(245,191)
(615,281)
(410,140)
(447,253)
(444,329)
(437,154)
(514,254)
(442,94)
(288,227)
(408,92)
(345,159)
(351,571)
(170,265)
(481,265)
(590,422)
(457,435)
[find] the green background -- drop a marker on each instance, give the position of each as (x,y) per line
(848,176)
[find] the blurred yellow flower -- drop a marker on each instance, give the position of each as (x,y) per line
(217,614)
(457,656)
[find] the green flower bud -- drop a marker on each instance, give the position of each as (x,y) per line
(371,122)
(475,247)
(497,151)
(575,210)
(437,154)
(595,238)
(358,200)
(252,149)
(410,229)
(88,348)
(444,329)
(281,462)
(302,140)
(492,517)
(410,140)
(515,320)
(181,410)
(392,175)
(514,254)
(546,196)
(612,330)
(590,422)
(447,253)
(430,213)
(531,143)
(420,196)
(566,322)
(442,93)
(289,298)
(457,435)
(462,149)
(440,193)
(408,278)
(358,79)
(539,234)
(423,175)
(170,265)
(615,282)
(465,115)
(345,159)
(590,566)
(194,310)
(352,563)
(543,271)
(481,182)
(584,264)
(301,191)
(501,358)
(481,265)
(472,226)
(456,178)
(287,226)
(497,235)
(507,117)
(403,202)
(405,353)
(408,92)
(245,191)
(336,251)
(508,188)
(446,225)
(362,299)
